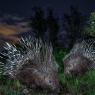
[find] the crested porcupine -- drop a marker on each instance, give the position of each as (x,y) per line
(81,58)
(32,63)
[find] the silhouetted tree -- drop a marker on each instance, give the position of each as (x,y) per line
(38,22)
(73,24)
(53,27)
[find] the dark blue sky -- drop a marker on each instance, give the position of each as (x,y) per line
(24,7)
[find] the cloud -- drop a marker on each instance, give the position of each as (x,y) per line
(9,30)
(11,25)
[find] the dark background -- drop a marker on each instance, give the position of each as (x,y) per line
(61,28)
(24,7)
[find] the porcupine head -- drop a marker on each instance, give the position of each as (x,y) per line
(80,59)
(33,63)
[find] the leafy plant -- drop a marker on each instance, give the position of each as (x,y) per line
(90,28)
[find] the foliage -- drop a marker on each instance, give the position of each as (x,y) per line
(90,27)
(42,24)
(59,55)
(74,24)
(38,22)
(9,87)
(52,26)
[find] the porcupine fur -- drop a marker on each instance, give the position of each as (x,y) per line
(81,58)
(33,63)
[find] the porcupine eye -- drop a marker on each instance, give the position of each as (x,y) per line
(50,82)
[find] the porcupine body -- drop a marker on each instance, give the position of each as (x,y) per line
(32,63)
(81,58)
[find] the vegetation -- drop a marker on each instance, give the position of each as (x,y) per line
(52,27)
(41,24)
(38,22)
(73,24)
(90,27)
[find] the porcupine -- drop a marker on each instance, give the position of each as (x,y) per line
(33,63)
(81,58)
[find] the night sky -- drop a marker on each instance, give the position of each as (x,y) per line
(12,13)
(24,7)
